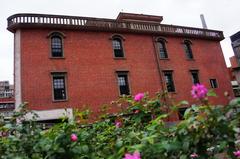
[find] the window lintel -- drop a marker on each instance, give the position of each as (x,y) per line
(56,33)
(168,70)
(187,41)
(117,36)
(194,70)
(121,71)
(161,39)
(61,72)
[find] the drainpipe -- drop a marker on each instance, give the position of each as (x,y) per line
(162,83)
(158,64)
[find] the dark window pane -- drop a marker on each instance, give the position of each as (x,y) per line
(195,78)
(59,87)
(162,50)
(181,112)
(56,44)
(213,83)
(117,48)
(117,44)
(236,92)
(169,81)
(123,84)
(188,50)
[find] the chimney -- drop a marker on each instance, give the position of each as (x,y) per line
(204,25)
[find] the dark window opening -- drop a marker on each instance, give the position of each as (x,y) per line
(195,78)
(117,47)
(169,81)
(213,83)
(56,46)
(162,50)
(59,88)
(188,50)
(181,112)
(123,83)
(236,91)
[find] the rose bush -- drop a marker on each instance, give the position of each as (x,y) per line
(139,131)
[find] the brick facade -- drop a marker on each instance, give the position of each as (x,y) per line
(91,68)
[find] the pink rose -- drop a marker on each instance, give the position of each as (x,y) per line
(135,155)
(74,138)
(199,91)
(136,111)
(194,155)
(118,124)
(237,153)
(138,97)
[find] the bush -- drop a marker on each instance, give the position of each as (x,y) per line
(138,131)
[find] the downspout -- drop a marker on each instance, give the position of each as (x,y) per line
(158,64)
(162,83)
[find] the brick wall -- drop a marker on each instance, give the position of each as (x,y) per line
(90,67)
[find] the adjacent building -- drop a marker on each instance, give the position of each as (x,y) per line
(235,41)
(6,99)
(69,61)
(235,64)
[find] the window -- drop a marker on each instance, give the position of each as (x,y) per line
(195,78)
(169,81)
(56,46)
(59,86)
(162,49)
(181,112)
(117,47)
(123,85)
(188,50)
(213,83)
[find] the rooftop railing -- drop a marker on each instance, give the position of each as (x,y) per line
(72,22)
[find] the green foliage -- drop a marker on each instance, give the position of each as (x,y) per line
(207,131)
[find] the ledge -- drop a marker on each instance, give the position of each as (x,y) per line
(119,58)
(57,58)
(164,59)
(27,20)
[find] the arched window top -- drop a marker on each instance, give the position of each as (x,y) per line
(161,39)
(117,36)
(186,41)
(55,34)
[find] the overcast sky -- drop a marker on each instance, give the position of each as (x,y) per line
(219,14)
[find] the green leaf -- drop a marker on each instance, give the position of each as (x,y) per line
(183,157)
(76,150)
(174,108)
(185,145)
(119,143)
(61,150)
(85,149)
(184,102)
(211,93)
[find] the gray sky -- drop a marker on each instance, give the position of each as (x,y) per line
(219,14)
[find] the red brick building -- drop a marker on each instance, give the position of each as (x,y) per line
(68,61)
